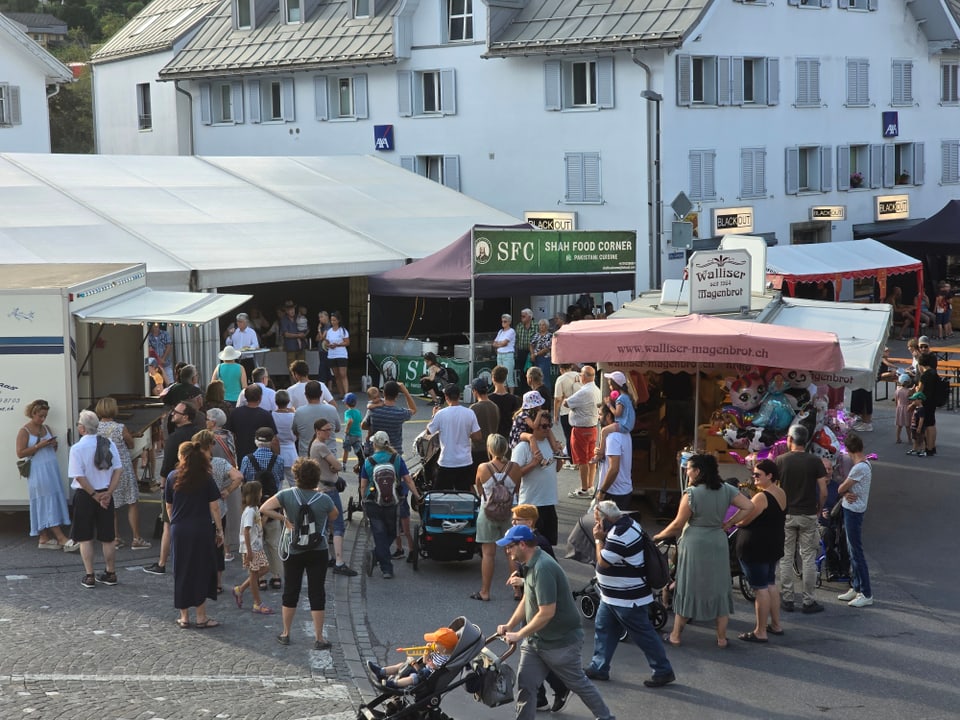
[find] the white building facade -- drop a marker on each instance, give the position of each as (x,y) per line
(771,109)
(29,75)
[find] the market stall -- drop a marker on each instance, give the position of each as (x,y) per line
(498,262)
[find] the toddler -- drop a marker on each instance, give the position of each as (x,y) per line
(352,437)
(374,399)
(440,646)
(303,325)
(251,547)
(622,403)
(902,399)
(917,424)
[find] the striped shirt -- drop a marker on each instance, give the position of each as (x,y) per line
(624,581)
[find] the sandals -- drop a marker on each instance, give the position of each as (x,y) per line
(208,623)
(751,637)
(262,609)
(119,543)
(183,624)
(478,596)
(238,596)
(276,583)
(774,632)
(666,639)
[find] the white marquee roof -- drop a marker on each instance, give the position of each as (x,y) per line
(232,220)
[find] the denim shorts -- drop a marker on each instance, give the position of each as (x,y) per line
(760,574)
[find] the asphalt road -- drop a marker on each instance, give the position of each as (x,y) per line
(67,652)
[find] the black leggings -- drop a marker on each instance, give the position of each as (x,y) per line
(314,562)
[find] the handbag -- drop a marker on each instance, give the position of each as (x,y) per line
(23,467)
(341,484)
(836,511)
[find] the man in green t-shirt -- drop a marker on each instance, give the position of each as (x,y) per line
(551,633)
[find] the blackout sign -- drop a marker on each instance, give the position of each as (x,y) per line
(732,221)
(892,207)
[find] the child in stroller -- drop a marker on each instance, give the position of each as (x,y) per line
(440,645)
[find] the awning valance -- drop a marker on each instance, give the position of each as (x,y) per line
(146,305)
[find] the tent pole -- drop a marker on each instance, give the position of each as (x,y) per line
(366,359)
(696,410)
(473,321)
(916,314)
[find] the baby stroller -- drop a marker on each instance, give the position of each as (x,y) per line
(448,527)
(472,664)
(427,446)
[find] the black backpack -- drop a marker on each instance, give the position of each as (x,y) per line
(383,482)
(655,564)
(307,532)
(448,376)
(942,391)
(264,475)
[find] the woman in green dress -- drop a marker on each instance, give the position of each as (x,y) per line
(704,591)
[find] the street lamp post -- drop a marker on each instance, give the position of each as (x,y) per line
(657,244)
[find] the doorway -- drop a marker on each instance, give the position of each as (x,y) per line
(810,232)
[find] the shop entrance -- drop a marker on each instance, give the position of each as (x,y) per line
(809,233)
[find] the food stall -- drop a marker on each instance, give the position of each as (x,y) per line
(74,333)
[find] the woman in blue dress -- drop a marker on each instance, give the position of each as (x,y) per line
(48,500)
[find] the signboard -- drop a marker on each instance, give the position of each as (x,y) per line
(732,221)
(542,252)
(892,207)
(408,369)
(891,123)
(828,212)
(383,137)
(550,220)
(719,281)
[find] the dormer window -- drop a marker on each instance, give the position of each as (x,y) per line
(243,13)
(292,11)
(361,8)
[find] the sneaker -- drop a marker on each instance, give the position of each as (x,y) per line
(922,453)
(398,553)
(107,578)
(595,675)
(848,595)
(387,575)
(119,544)
(155,569)
(89,581)
(861,600)
(560,699)
(71,546)
(344,570)
(376,669)
(812,608)
(228,557)
(863,427)
(141,544)
(660,680)
(787,606)
(580,494)
(913,452)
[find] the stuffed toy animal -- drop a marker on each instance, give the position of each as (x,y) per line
(745,394)
(825,444)
(753,439)
(775,412)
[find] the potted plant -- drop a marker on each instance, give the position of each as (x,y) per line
(856,180)
(903,178)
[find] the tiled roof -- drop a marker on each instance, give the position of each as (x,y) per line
(157,27)
(39,22)
(563,25)
(328,37)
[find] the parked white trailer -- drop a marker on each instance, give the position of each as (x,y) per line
(73,333)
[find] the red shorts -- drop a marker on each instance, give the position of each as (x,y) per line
(583,444)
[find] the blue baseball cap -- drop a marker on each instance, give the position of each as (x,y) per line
(518,533)
(350,399)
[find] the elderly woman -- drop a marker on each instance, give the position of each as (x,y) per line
(329,469)
(193,504)
(760,547)
(225,447)
(704,591)
(284,507)
(540,348)
(228,480)
(505,344)
(127,492)
(48,501)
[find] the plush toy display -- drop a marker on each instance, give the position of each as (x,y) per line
(745,393)
(775,412)
(753,439)
(825,444)
(798,388)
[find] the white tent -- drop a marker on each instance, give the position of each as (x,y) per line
(208,222)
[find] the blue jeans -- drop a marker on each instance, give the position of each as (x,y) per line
(636,621)
(339,527)
(859,574)
(564,661)
(383,527)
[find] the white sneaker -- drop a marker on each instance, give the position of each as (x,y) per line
(863,427)
(71,546)
(861,600)
(848,595)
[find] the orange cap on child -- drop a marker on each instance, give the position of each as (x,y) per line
(444,637)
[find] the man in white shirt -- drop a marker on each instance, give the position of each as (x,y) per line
(567,384)
(584,408)
(615,480)
(268,401)
(457,426)
(245,338)
(94,470)
(300,372)
(505,345)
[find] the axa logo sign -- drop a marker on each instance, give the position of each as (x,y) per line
(383,137)
(891,123)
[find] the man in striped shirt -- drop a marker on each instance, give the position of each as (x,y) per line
(624,596)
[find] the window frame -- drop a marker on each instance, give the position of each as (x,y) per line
(447,166)
(361,14)
(212,106)
(144,110)
(753,163)
(815,162)
(953,67)
(259,100)
(857,82)
(327,97)
(559,84)
(903,158)
(466,17)
(285,8)
(862,158)
(10,112)
(238,12)
(411,92)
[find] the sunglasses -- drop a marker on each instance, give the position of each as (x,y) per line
(923,346)
(545,426)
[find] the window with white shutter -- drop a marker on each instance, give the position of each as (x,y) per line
(858,85)
(901,80)
(578,84)
(753,173)
(809,169)
(903,164)
(703,184)
(10,105)
(341,97)
(444,169)
(582,171)
(950,162)
(424,93)
(697,80)
(949,94)
(808,82)
(853,167)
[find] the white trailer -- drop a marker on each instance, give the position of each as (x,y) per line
(74,333)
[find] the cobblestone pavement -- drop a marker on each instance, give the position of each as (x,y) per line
(117,653)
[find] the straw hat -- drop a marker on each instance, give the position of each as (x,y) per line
(229,353)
